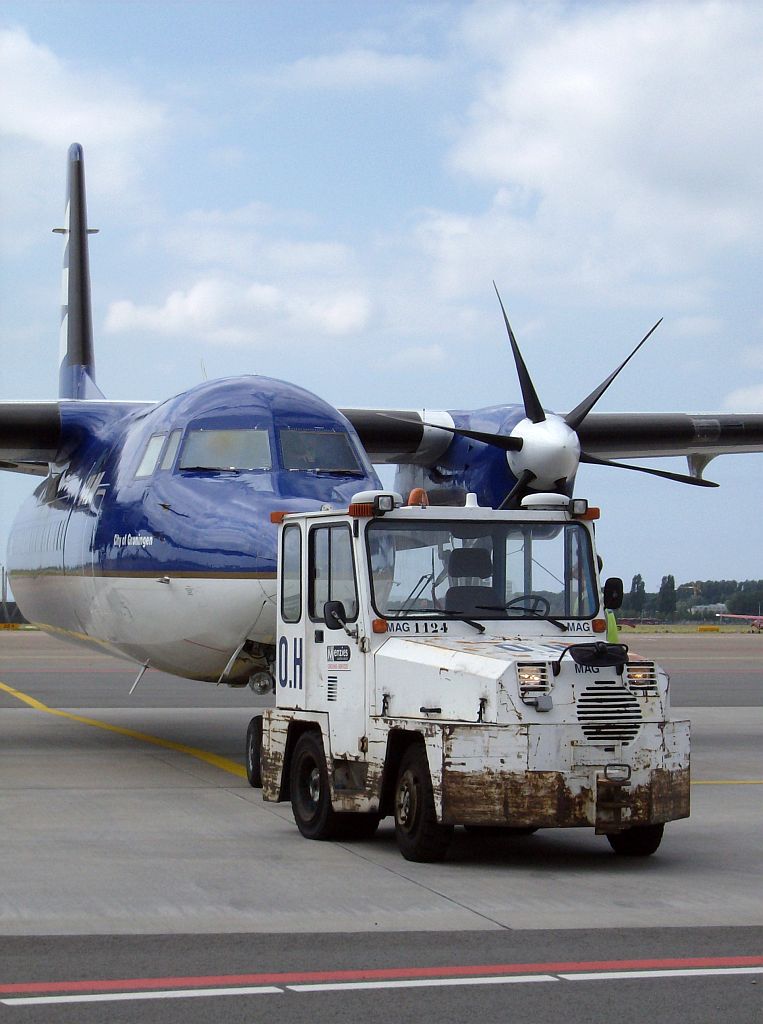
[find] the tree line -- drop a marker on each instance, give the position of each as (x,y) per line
(671,602)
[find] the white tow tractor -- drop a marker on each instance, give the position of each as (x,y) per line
(450,666)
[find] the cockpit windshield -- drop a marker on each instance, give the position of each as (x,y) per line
(485,570)
(236,450)
(322,451)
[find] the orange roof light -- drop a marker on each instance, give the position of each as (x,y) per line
(277,517)
(418,496)
(379,626)
(599,625)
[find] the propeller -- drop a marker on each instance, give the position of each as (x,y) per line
(543,450)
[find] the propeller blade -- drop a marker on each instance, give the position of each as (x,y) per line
(575,418)
(533,408)
(504,441)
(592,460)
(518,491)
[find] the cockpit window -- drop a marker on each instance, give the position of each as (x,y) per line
(150,456)
(323,451)
(171,450)
(236,450)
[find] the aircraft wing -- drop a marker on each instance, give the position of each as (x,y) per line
(403,435)
(649,435)
(34,434)
(30,436)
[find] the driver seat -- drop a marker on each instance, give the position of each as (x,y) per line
(471,564)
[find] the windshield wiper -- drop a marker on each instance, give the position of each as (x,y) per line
(416,591)
(319,471)
(461,618)
(532,612)
(205,469)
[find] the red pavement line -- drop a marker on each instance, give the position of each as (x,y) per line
(369,974)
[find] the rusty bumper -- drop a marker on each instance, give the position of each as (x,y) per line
(553,800)
(504,776)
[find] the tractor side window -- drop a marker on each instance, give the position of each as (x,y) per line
(150,456)
(291,574)
(332,571)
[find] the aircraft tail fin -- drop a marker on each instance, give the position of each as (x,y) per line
(77,360)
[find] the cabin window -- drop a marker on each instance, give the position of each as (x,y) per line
(291,575)
(232,450)
(322,451)
(171,450)
(150,455)
(332,571)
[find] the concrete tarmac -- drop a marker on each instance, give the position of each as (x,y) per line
(107,834)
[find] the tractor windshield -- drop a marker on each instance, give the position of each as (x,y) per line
(485,570)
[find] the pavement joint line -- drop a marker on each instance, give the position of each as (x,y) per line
(427,888)
(223,763)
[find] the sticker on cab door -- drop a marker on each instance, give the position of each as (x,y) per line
(338,656)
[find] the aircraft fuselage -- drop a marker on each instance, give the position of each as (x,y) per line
(128,545)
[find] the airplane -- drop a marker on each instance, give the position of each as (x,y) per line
(755,621)
(149,534)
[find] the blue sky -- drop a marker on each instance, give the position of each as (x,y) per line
(324,192)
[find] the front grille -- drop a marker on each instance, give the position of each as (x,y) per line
(608,713)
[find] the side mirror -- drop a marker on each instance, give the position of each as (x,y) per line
(334,615)
(613,593)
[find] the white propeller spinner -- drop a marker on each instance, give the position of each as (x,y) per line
(550,451)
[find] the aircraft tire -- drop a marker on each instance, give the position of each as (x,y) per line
(419,835)
(639,841)
(310,791)
(253,750)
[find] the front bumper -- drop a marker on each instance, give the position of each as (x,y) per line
(547,776)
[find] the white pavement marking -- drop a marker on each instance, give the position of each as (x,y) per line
(354,986)
(117,997)
(422,983)
(687,972)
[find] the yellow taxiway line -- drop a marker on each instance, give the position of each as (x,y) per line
(224,763)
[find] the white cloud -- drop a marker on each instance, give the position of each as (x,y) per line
(245,241)
(354,69)
(746,400)
(45,105)
(623,144)
(44,101)
(415,357)
(696,326)
(223,312)
(753,357)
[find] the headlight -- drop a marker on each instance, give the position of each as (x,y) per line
(641,677)
(533,680)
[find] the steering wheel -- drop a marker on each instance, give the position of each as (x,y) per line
(536,604)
